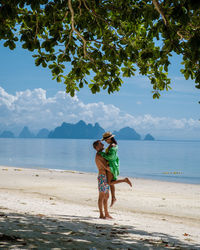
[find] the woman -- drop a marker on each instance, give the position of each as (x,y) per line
(111,156)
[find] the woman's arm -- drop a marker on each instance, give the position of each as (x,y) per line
(111,155)
(102,164)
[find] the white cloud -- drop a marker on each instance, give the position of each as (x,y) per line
(34,109)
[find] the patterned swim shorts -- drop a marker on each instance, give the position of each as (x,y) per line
(102,183)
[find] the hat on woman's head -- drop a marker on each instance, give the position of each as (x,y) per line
(107,135)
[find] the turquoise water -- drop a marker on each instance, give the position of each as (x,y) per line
(177,161)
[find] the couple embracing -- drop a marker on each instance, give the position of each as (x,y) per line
(108,166)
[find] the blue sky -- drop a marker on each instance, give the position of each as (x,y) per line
(174,116)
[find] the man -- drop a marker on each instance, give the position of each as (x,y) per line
(111,156)
(102,181)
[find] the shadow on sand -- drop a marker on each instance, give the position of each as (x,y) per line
(24,231)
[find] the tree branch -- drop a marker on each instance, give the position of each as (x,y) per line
(75,30)
(93,13)
(157,6)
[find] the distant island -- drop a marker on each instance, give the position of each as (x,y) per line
(149,137)
(79,130)
(7,134)
(43,133)
(26,133)
(127,134)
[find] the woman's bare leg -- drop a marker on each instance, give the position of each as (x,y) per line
(120,181)
(112,187)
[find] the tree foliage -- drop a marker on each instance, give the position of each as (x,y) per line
(105,39)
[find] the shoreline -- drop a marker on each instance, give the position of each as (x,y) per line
(59,209)
(93,173)
(92,139)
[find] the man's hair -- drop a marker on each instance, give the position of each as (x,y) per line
(95,144)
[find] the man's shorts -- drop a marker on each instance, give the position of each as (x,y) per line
(103,184)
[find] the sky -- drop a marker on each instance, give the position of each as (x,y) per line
(29,97)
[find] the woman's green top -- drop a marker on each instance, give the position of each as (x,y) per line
(112,157)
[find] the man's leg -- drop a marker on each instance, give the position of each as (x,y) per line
(100,204)
(105,204)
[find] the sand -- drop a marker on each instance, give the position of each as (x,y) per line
(48,209)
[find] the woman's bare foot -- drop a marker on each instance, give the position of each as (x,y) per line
(113,201)
(128,181)
(101,217)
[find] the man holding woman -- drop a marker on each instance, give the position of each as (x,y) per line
(108,164)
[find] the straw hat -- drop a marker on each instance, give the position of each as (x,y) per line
(107,135)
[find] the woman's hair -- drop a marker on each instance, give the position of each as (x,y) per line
(113,140)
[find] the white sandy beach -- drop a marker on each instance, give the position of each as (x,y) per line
(47,209)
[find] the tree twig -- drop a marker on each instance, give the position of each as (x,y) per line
(66,13)
(36,29)
(80,7)
(70,37)
(179,34)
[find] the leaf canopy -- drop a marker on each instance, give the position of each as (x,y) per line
(105,39)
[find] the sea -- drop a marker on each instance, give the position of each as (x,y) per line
(173,161)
